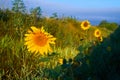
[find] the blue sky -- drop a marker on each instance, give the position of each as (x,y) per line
(84,3)
(82,9)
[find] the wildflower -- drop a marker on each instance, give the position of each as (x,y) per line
(100,38)
(60,61)
(94,43)
(85,25)
(38,41)
(97,33)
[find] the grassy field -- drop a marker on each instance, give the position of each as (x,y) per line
(76,54)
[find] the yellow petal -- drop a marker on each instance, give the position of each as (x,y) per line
(53,39)
(42,29)
(52,42)
(34,29)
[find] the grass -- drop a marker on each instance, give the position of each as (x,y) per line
(72,42)
(18,63)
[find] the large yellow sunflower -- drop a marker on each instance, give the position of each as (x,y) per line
(97,33)
(38,41)
(85,25)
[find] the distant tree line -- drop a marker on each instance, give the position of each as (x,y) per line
(110,26)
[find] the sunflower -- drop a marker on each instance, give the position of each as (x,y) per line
(38,41)
(100,38)
(85,25)
(97,33)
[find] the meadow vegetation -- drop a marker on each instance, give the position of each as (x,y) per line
(78,54)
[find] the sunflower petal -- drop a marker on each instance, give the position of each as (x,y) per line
(34,29)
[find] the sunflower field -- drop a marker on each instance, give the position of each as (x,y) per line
(41,48)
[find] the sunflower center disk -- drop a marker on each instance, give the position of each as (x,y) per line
(97,33)
(40,39)
(85,24)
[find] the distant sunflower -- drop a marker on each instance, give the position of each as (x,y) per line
(100,38)
(60,61)
(85,25)
(38,41)
(97,33)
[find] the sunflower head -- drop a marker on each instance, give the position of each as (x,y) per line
(100,38)
(85,25)
(38,41)
(97,33)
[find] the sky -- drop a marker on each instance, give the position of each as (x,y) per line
(93,10)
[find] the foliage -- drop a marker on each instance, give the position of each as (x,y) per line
(106,58)
(54,15)
(36,12)
(110,26)
(18,6)
(84,56)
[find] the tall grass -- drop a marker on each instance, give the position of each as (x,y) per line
(16,63)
